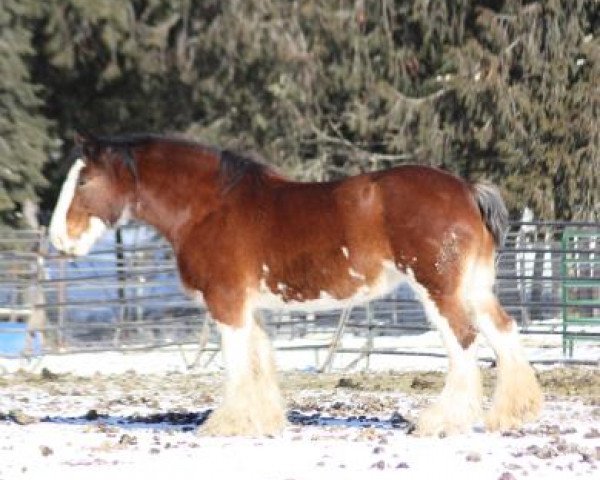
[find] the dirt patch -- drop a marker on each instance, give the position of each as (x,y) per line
(575,381)
(557,383)
(131,388)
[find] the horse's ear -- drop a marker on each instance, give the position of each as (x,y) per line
(86,142)
(80,138)
(83,137)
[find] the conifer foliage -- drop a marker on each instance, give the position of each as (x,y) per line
(501,89)
(24,139)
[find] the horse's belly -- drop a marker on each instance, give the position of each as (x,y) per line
(388,279)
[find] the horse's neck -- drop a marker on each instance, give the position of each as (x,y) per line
(170,193)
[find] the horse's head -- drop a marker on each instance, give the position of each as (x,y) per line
(94,196)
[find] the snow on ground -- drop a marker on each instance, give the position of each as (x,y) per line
(546,348)
(92,451)
(129,415)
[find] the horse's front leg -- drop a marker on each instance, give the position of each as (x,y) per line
(252,404)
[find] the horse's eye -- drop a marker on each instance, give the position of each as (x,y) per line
(81,181)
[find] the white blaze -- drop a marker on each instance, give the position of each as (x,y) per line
(58,225)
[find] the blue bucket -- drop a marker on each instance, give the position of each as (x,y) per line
(13,337)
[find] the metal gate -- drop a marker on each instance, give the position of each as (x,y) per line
(126,295)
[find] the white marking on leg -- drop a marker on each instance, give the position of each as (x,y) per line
(235,349)
(477,292)
(517,396)
(58,225)
(505,344)
(478,283)
(252,404)
(459,404)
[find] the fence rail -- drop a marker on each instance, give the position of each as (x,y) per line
(126,295)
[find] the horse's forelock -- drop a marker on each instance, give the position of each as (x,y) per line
(76,153)
(95,150)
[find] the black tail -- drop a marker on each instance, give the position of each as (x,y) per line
(492,209)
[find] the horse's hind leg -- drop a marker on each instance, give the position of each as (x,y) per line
(517,397)
(459,404)
(252,403)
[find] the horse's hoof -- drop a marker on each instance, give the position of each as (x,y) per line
(230,423)
(440,420)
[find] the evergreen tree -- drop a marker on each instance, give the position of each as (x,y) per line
(24,139)
(526,85)
(502,89)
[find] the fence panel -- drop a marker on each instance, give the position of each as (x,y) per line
(580,270)
(126,294)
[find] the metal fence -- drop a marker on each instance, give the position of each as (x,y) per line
(126,294)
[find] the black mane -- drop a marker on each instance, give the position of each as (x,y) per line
(233,166)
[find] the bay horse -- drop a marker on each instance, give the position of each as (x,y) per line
(247,238)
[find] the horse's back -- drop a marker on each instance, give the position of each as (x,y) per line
(393,212)
(411,205)
(423,193)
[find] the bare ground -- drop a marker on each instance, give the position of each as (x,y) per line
(377,406)
(371,394)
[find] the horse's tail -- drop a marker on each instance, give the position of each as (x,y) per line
(493,209)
